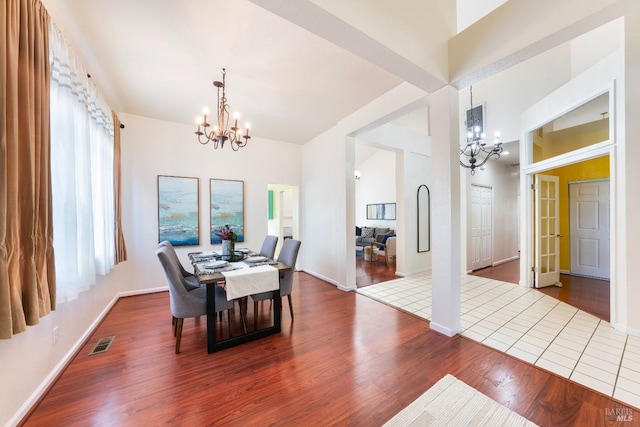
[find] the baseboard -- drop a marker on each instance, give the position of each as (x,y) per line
(634,332)
(40,391)
(35,397)
(143,291)
(444,330)
(412,273)
(506,260)
(321,277)
(624,330)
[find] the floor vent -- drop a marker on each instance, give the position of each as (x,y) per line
(103,345)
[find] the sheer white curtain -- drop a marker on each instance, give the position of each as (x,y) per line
(82,174)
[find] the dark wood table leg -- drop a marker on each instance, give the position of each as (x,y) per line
(211,317)
(277,311)
(214,345)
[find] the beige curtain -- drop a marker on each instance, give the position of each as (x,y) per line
(27,276)
(121,248)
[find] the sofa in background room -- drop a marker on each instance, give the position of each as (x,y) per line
(367,235)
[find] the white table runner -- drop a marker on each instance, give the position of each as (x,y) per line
(250,280)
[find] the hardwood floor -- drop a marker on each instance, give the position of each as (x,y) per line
(345,360)
(372,272)
(506,272)
(587,294)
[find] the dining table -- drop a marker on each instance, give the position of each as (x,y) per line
(243,273)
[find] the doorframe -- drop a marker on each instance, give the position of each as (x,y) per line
(295,214)
(576,92)
(526,208)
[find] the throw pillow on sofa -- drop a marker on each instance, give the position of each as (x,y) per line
(386,237)
(367,232)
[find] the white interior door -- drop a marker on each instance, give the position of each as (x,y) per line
(481,227)
(547,259)
(589,218)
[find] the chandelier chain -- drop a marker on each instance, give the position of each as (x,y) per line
(220,132)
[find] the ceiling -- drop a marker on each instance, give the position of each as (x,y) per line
(159,58)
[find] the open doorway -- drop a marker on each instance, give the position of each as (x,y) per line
(582,229)
(375,186)
(282,212)
(582,255)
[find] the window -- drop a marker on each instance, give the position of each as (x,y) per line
(82,174)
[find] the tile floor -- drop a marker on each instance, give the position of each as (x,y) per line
(533,327)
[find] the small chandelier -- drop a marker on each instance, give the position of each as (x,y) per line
(221,132)
(476,145)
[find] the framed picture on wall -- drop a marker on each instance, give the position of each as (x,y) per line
(227,207)
(381,211)
(178,212)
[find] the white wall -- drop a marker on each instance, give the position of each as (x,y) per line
(377,185)
(153,147)
(324,207)
(470,11)
(607,74)
(413,168)
(415,29)
(328,196)
(504,181)
(149,148)
(628,129)
(416,170)
(512,91)
(31,359)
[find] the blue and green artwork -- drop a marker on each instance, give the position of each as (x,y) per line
(178,217)
(227,207)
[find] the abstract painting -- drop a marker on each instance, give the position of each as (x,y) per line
(381,211)
(178,215)
(227,207)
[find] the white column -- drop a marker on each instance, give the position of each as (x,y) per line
(626,292)
(350,218)
(445,225)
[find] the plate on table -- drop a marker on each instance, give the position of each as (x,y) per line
(256,259)
(215,264)
(204,255)
(243,250)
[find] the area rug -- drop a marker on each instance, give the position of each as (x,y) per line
(450,402)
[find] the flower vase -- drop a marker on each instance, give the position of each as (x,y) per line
(228,248)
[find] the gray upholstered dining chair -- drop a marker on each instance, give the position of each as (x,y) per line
(288,256)
(190,282)
(193,303)
(269,246)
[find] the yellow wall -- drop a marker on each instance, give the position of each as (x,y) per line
(591,169)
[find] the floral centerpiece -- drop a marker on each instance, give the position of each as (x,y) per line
(229,239)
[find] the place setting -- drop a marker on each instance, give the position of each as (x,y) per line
(215,266)
(202,256)
(258,260)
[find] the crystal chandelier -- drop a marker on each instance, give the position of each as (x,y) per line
(221,133)
(476,145)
